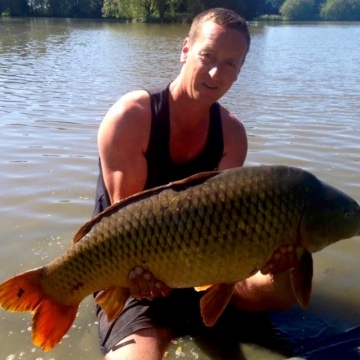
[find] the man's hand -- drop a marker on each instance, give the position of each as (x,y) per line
(143,285)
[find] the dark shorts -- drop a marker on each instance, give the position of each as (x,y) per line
(179,312)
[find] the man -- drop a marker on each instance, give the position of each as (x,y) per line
(151,138)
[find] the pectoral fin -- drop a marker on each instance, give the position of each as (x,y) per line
(112,300)
(214,302)
(301,277)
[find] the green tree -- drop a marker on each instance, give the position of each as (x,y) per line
(149,7)
(247,9)
(299,10)
(14,7)
(66,8)
(131,9)
(84,8)
(272,6)
(124,9)
(141,9)
(56,8)
(194,6)
(3,6)
(37,7)
(95,8)
(161,6)
(177,6)
(340,10)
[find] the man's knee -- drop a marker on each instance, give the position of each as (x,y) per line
(149,344)
(264,292)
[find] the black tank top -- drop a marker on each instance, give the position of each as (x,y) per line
(160,168)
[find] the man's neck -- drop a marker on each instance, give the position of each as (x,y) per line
(183,107)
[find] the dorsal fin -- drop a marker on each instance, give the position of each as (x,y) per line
(194,179)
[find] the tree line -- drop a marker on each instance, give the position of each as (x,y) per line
(185,10)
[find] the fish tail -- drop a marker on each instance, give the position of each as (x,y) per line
(51,320)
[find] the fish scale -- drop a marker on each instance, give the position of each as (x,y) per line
(185,227)
(212,228)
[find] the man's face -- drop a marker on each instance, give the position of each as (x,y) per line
(213,62)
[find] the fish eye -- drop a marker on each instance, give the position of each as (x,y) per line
(347,215)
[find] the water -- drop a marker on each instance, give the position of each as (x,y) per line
(298,96)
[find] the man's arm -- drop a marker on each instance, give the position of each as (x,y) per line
(122,140)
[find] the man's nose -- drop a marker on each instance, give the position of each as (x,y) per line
(214,72)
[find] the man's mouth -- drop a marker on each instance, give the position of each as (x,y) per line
(212,87)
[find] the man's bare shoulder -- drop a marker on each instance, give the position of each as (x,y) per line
(232,126)
(235,140)
(127,121)
(133,105)
(229,118)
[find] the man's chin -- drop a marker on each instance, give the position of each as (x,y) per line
(208,95)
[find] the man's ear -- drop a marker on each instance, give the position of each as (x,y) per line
(184,50)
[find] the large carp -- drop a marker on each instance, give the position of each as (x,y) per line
(212,228)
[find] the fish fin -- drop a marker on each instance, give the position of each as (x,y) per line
(138,196)
(51,320)
(202,288)
(214,302)
(22,293)
(301,277)
(113,300)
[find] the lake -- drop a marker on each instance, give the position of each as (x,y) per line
(298,96)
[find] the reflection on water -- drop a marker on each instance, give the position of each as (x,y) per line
(298,96)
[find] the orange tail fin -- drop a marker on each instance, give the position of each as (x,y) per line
(51,320)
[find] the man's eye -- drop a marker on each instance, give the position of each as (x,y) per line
(206,55)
